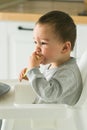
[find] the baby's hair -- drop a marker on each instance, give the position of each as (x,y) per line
(62,24)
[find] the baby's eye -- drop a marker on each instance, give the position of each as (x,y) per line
(43,43)
(35,42)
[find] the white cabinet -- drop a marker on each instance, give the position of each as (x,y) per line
(20,46)
(3,50)
(16,45)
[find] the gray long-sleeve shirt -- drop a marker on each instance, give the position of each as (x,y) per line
(61,84)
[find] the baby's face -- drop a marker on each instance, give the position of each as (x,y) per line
(47,43)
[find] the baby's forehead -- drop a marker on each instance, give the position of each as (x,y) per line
(45,26)
(46,30)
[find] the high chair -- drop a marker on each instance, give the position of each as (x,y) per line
(26,116)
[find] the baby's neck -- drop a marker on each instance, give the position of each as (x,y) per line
(59,63)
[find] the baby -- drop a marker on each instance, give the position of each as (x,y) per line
(61,82)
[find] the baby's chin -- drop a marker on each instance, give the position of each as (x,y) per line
(44,62)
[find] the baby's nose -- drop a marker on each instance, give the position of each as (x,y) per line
(38,49)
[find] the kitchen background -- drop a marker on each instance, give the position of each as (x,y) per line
(17,20)
(73,7)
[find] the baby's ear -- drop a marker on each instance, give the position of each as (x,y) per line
(66,47)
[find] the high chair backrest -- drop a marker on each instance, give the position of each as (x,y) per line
(83,69)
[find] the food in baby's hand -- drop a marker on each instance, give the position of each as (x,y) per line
(25,72)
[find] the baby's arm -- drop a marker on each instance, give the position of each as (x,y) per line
(48,91)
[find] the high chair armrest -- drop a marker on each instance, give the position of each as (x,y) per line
(35,111)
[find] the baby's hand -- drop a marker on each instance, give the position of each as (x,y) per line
(35,60)
(22,75)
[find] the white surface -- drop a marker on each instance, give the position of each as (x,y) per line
(24,115)
(15,48)
(17,99)
(81,40)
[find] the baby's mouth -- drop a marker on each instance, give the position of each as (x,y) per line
(43,60)
(40,55)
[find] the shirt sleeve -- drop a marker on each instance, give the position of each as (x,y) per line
(63,86)
(48,91)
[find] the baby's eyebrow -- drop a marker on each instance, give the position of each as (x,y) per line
(45,40)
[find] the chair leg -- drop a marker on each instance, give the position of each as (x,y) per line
(7,124)
(16,124)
